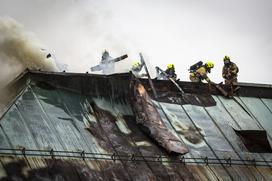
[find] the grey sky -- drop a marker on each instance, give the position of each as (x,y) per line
(165,31)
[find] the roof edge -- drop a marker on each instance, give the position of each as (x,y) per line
(70,79)
(243,84)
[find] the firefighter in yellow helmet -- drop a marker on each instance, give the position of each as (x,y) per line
(200,73)
(229,73)
(137,68)
(170,71)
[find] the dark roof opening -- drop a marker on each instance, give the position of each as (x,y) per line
(255,140)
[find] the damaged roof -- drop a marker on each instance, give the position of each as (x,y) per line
(86,123)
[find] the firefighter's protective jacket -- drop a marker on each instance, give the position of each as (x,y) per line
(201,73)
(230,71)
(171,73)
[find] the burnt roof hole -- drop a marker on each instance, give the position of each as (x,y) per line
(255,140)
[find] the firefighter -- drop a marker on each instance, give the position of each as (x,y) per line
(201,72)
(230,73)
(137,68)
(170,71)
(107,63)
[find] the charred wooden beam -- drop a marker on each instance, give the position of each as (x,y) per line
(147,115)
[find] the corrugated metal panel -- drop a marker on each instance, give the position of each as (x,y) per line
(212,135)
(242,118)
(260,112)
(225,124)
(228,114)
(176,118)
(67,129)
(186,122)
(268,103)
(16,131)
(37,122)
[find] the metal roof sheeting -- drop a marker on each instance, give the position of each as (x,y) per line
(45,118)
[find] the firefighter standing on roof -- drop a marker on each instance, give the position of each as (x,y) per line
(201,73)
(230,71)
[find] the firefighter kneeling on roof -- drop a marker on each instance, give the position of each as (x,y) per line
(137,68)
(198,72)
(170,71)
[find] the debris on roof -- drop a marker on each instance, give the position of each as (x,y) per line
(147,115)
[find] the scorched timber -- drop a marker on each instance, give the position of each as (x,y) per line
(147,115)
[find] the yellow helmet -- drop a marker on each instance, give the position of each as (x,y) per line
(170,66)
(209,64)
(135,64)
(226,58)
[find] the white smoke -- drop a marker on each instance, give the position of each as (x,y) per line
(20,50)
(181,32)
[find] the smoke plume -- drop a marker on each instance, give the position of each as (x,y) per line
(20,50)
